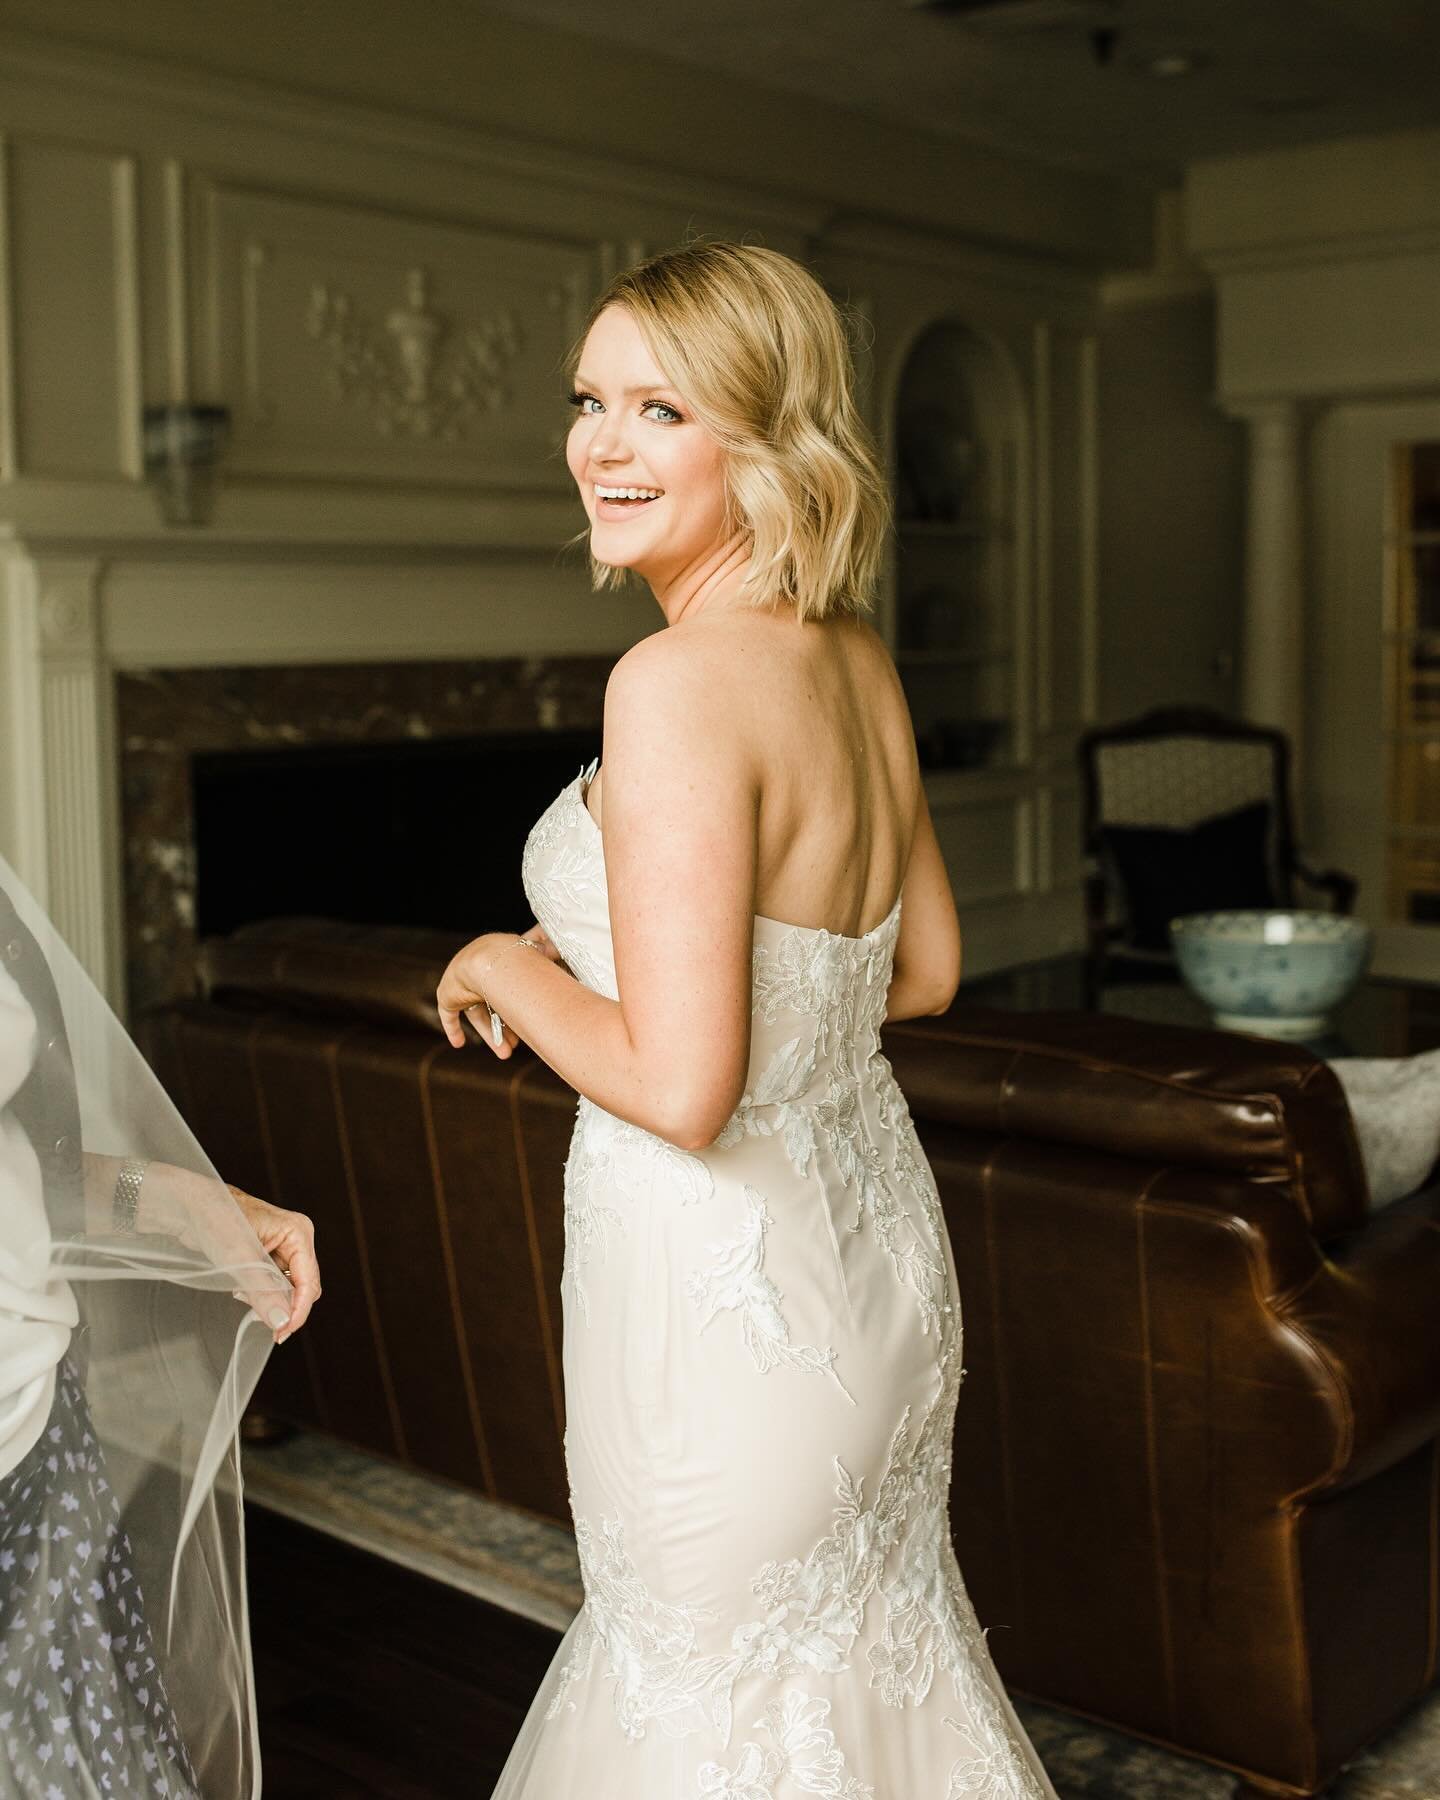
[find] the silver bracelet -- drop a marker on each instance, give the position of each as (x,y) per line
(497,1024)
(127,1193)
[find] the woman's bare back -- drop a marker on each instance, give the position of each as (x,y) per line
(821,726)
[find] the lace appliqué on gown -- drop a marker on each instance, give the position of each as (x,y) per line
(736,1282)
(801,1750)
(613,1169)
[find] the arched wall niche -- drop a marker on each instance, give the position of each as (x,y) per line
(958,620)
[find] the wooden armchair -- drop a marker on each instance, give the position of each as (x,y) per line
(1185,810)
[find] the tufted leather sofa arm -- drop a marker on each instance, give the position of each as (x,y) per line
(1372,1314)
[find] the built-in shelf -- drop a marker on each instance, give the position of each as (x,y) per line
(1415,539)
(956,601)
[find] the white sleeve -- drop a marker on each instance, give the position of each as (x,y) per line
(37,1313)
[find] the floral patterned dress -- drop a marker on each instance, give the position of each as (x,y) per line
(762,1364)
(83,1707)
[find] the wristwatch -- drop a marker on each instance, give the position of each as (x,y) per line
(127,1193)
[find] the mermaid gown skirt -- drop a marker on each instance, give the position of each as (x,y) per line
(762,1365)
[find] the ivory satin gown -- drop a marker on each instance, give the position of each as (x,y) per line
(762,1362)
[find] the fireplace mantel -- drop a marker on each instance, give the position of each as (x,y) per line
(79,611)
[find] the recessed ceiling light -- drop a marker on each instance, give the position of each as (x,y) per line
(1172,64)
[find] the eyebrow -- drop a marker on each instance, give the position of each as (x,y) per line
(644,387)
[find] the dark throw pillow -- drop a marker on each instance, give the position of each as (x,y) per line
(1219,863)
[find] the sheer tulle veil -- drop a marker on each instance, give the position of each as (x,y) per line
(159,1324)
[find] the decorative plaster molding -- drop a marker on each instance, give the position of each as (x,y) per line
(8,443)
(1272,664)
(1242,402)
(253,265)
(129,337)
(138,80)
(62,621)
(425,381)
(176,241)
(69,609)
(859,235)
(265,515)
(1042,521)
(60,787)
(1154,287)
(1274,419)
(1088,477)
(1305,252)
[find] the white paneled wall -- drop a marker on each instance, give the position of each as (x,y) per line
(383,302)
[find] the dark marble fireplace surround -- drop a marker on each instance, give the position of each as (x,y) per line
(541,715)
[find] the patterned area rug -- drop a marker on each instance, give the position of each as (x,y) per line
(528,1566)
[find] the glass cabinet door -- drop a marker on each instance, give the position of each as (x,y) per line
(1413,685)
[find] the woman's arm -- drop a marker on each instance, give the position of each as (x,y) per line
(219,1223)
(681,819)
(927,951)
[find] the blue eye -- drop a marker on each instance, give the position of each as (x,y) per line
(584,403)
(674,418)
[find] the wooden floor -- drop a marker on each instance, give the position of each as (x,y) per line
(375,1683)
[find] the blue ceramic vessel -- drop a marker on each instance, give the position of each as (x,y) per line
(1275,972)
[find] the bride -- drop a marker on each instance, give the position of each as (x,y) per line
(762,1315)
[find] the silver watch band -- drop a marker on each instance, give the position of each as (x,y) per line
(127,1193)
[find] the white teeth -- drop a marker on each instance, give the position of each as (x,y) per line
(626,493)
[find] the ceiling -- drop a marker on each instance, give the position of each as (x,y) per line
(1024,75)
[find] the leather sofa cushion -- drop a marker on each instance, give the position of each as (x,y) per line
(1220,1101)
(381,974)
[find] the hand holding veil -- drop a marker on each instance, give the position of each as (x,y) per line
(131,1339)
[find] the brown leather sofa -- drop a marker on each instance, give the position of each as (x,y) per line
(1196,1462)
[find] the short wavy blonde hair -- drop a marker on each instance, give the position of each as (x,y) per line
(758,349)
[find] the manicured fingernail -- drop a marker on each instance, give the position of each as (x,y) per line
(497,1030)
(277,1318)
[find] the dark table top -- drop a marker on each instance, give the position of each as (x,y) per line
(1381,1017)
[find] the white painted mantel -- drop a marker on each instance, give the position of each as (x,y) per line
(76,614)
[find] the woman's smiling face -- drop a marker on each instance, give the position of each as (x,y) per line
(651,477)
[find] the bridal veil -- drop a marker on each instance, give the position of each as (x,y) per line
(128,1351)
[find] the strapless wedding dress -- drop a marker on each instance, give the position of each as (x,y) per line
(762,1363)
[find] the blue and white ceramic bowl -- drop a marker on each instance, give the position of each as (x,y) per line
(1274,972)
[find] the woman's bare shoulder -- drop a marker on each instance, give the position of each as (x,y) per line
(724,673)
(666,691)
(876,648)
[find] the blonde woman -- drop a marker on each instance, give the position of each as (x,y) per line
(762,1321)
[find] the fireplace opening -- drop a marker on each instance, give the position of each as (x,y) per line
(421,832)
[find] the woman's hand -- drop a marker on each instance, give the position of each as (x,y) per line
(460,991)
(221,1224)
(288,1239)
